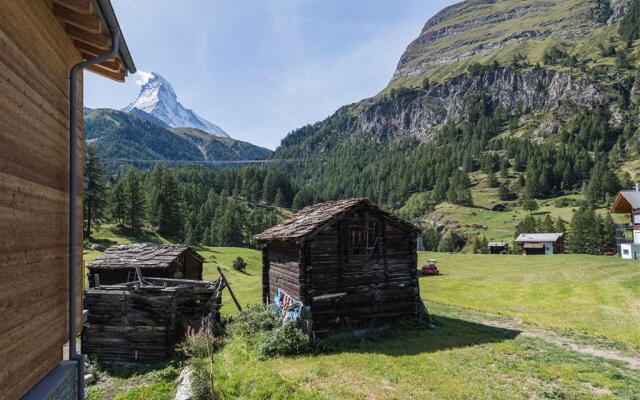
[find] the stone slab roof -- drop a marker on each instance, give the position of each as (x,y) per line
(539,237)
(311,219)
(143,255)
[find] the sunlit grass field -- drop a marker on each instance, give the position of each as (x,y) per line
(597,298)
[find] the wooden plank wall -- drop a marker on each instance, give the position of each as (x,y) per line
(284,268)
(356,290)
(35,59)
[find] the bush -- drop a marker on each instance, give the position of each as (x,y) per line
(202,381)
(563,203)
(255,318)
(199,343)
(239,264)
(286,340)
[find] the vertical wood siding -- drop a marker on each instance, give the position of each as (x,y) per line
(35,59)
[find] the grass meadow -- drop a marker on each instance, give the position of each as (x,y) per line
(482,305)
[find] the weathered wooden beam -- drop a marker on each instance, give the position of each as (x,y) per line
(81,6)
(226,282)
(117,76)
(87,22)
(98,40)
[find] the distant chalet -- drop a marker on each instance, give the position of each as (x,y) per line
(540,243)
(628,235)
(352,264)
(118,263)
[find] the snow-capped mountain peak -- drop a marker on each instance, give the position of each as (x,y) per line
(158,99)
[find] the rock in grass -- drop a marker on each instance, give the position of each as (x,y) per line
(184,390)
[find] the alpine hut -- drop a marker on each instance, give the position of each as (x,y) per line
(540,243)
(118,263)
(498,247)
(628,235)
(349,263)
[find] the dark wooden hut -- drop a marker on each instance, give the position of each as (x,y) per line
(498,247)
(140,321)
(117,264)
(540,243)
(351,264)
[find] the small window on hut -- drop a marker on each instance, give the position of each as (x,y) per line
(361,238)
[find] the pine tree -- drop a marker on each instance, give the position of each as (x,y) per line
(136,200)
(95,196)
(278,201)
(303,198)
(527,225)
(165,202)
(119,204)
(547,226)
(493,182)
(560,225)
(528,202)
(609,242)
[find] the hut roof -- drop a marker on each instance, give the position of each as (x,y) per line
(539,237)
(313,218)
(626,201)
(497,244)
(143,255)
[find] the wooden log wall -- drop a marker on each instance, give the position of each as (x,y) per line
(284,268)
(35,58)
(350,289)
(140,325)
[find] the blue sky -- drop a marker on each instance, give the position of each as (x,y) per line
(261,68)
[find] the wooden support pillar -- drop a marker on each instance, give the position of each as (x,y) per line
(265,274)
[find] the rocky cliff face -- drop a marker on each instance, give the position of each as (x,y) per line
(418,114)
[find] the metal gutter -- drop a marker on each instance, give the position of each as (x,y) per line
(73,203)
(108,17)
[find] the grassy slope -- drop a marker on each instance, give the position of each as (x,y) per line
(500,225)
(593,296)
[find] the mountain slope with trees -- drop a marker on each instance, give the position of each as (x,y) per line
(551,91)
(119,135)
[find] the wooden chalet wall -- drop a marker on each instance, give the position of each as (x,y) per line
(35,58)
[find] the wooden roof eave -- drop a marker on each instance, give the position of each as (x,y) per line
(621,205)
(84,23)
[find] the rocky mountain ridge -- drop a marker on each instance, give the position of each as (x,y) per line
(158,99)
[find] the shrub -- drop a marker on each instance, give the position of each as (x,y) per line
(255,318)
(239,264)
(286,340)
(199,343)
(202,386)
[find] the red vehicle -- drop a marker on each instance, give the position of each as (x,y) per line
(430,268)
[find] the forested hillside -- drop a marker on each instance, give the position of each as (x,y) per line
(541,97)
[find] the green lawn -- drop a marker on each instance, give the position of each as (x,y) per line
(596,299)
(593,299)
(592,295)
